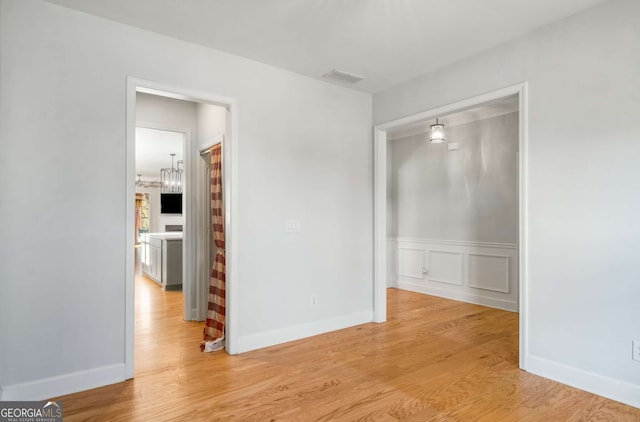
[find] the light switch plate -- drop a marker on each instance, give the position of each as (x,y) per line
(292,226)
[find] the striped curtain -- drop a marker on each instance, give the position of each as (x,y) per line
(139,200)
(216,313)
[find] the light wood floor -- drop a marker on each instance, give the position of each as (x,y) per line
(435,359)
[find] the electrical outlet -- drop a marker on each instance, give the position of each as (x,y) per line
(314,300)
(635,355)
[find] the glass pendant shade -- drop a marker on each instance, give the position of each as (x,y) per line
(436,135)
(171,178)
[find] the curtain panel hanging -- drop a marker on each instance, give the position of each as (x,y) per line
(139,201)
(216,310)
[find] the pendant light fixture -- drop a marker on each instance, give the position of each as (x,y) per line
(436,135)
(171,178)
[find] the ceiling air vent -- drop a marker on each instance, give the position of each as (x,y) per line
(342,77)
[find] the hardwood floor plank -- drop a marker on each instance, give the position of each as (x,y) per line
(433,360)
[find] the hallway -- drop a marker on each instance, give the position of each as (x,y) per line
(163,340)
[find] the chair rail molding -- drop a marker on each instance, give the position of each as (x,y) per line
(484,273)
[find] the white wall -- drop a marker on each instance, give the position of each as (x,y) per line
(304,152)
(468,194)
(583,198)
(212,122)
(168,112)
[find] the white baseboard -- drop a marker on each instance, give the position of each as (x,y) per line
(610,388)
(296,332)
(476,299)
(61,385)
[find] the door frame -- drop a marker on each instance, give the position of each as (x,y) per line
(135,85)
(380,201)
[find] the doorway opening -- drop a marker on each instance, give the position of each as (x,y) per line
(450,218)
(171,245)
(160,188)
(159,203)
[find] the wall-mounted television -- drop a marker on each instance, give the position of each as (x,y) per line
(171,203)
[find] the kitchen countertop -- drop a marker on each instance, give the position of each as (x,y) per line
(166,235)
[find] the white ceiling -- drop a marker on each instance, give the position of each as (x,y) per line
(386,41)
(153,149)
(484,111)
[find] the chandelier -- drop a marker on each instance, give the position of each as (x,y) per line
(436,133)
(171,178)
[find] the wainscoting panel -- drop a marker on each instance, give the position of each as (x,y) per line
(476,272)
(445,267)
(410,262)
(489,272)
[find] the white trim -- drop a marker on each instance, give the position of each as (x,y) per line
(379,226)
(297,332)
(505,258)
(523,224)
(506,305)
(61,385)
(129,268)
(601,385)
(430,252)
(402,248)
(230,175)
(454,242)
(380,199)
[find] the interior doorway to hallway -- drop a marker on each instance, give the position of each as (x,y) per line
(208,113)
(160,200)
